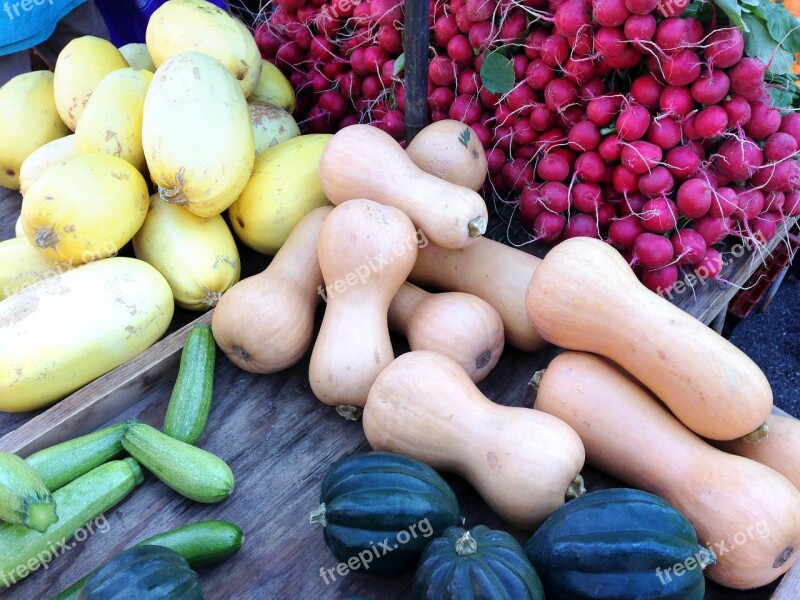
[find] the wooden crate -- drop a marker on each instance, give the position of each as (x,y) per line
(279,441)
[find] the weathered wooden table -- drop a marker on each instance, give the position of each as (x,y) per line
(279,441)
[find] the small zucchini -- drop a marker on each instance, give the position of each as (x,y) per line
(190,471)
(190,402)
(89,496)
(202,544)
(24,498)
(60,464)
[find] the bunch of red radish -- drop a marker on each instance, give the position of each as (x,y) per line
(654,133)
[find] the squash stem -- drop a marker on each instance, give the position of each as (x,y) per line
(705,557)
(318,516)
(477,226)
(41,515)
(756,436)
(576,489)
(536,380)
(466,545)
(351,413)
(172,195)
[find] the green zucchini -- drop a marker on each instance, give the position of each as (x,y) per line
(201,544)
(62,463)
(190,471)
(79,502)
(190,402)
(24,498)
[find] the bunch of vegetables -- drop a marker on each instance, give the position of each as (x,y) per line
(618,120)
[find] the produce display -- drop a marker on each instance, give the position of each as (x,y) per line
(154,176)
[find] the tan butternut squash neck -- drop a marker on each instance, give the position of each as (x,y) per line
(405,302)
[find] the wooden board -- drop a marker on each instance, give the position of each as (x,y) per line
(279,441)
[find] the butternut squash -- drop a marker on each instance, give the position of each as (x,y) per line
(584,296)
(196,255)
(265,323)
(779,450)
(28,120)
(451,151)
(522,462)
(366,251)
(460,326)
(196,134)
(81,65)
(494,272)
(362,161)
(746,513)
(42,158)
(195,25)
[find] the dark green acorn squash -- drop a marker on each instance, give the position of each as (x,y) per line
(383,509)
(143,573)
(479,563)
(619,544)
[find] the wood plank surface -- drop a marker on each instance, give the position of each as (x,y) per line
(279,441)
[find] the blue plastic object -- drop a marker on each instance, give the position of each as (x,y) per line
(26,24)
(127,19)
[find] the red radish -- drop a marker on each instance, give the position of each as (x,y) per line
(664,133)
(646,90)
(694,31)
(627,60)
(640,156)
(623,232)
(610,149)
(523,133)
(639,29)
(747,76)
(538,74)
(542,118)
(624,180)
(349,120)
(371,87)
(549,140)
(779,146)
(775,177)
(738,159)
(554,50)
(387,72)
(332,70)
(694,198)
(463,22)
(569,116)
(321,49)
(319,120)
(657,182)
(710,265)
(516,174)
(513,25)
(610,13)
(289,55)
(441,99)
(641,7)
(267,40)
(495,159)
(774,201)
(790,123)
(554,196)
(586,197)
(468,82)
(738,111)
(374,57)
(559,94)
(530,208)
(582,44)
(791,205)
(688,245)
(609,41)
(579,71)
(751,203)
(725,203)
(765,226)
(479,10)
(660,280)
(632,204)
(390,40)
(442,70)
(503,114)
(764,121)
(711,87)
(553,167)
(672,34)
(393,123)
(659,215)
(489,99)
(584,136)
(711,121)
(444,29)
(566,153)
(386,12)
(590,167)
(519,63)
(632,123)
(652,251)
(605,214)
(689,128)
(601,110)
(460,50)
(571,17)
(526,153)
(548,226)
(593,88)
(580,225)
(681,68)
(466,109)
(481,35)
(521,100)
(676,101)
(533,42)
(724,47)
(333,102)
(713,229)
